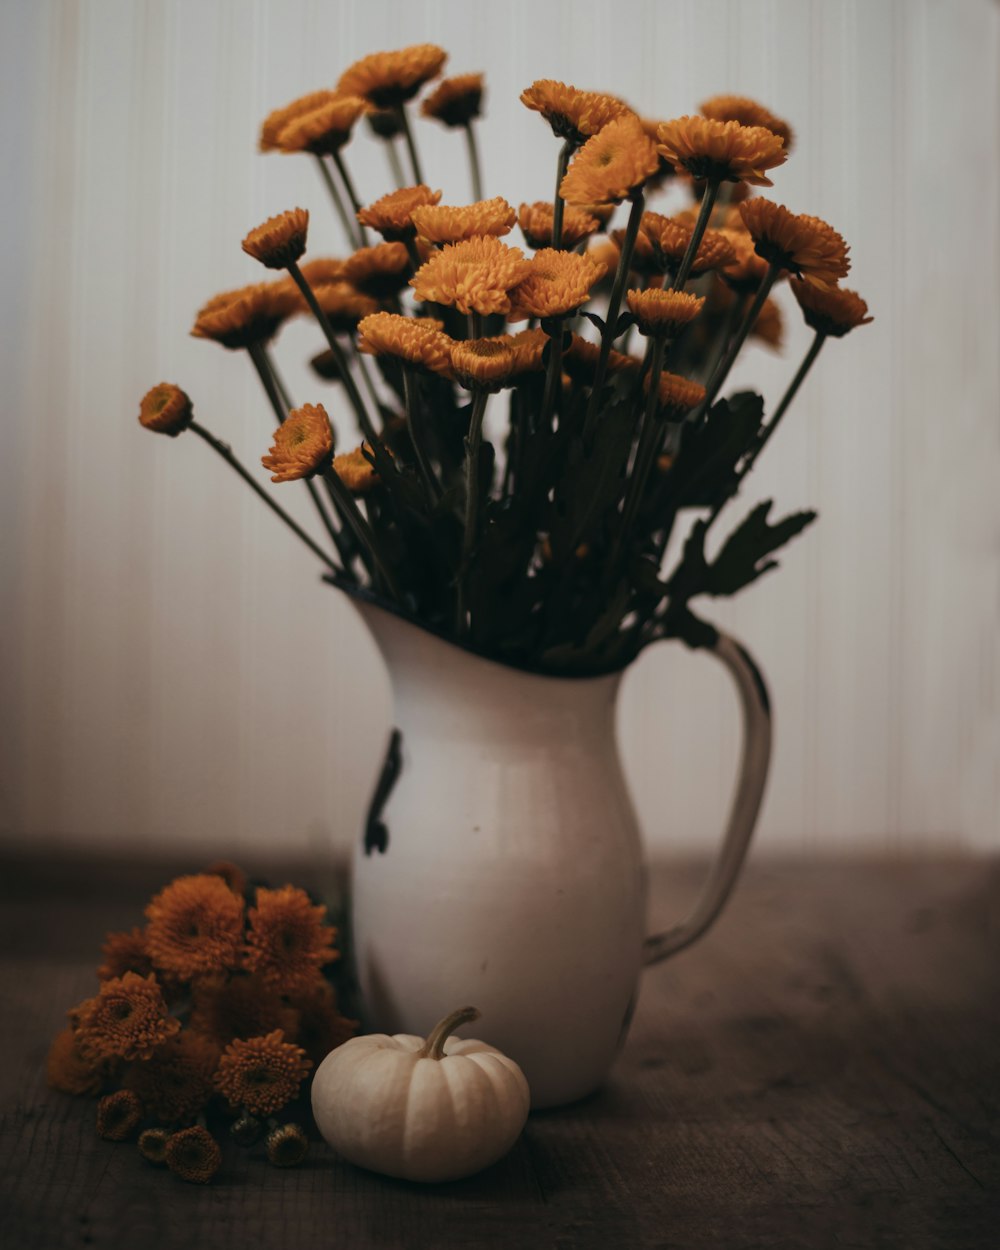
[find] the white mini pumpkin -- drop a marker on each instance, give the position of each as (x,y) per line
(425,1110)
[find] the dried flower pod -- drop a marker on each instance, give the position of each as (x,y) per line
(455,101)
(287,1145)
(165,409)
(246,1129)
(279,241)
(153,1145)
(118,1115)
(193,1154)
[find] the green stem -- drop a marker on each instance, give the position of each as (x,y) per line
(473,149)
(614,304)
(737,341)
(350,228)
(414,255)
(361,529)
(553,377)
(473,442)
(704,216)
(558,203)
(395,166)
(279,403)
(729,320)
(426,470)
(226,452)
(475,325)
(411,147)
(433,1048)
(352,195)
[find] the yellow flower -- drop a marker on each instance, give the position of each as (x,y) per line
(388,79)
(356,471)
(261,1073)
(316,272)
(303,444)
(804,245)
(557,283)
(473,276)
(535,221)
(378,271)
(66,1069)
(724,151)
(455,101)
(770,325)
(445,224)
(391,215)
(417,340)
(573,114)
(280,240)
(343,304)
(669,238)
(165,410)
(483,364)
(324,128)
(746,270)
(740,108)
(118,1115)
(252,314)
(663,313)
(612,165)
(528,346)
(834,311)
(580,360)
(193,1154)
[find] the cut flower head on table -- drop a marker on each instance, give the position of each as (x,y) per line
(514,426)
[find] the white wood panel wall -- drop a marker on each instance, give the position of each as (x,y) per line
(173,674)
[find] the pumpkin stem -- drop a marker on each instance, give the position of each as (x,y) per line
(433,1048)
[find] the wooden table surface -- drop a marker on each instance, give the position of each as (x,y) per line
(823,1069)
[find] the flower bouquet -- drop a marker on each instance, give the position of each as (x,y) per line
(521,435)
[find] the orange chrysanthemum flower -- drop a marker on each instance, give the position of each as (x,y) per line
(118,1115)
(417,340)
(195,927)
(740,108)
(535,221)
(528,347)
(323,129)
(745,272)
(669,238)
(770,324)
(124,952)
(474,276)
(443,223)
(66,1069)
(607,252)
(804,245)
(356,471)
(834,311)
(678,395)
(176,1082)
(252,314)
(165,409)
(580,360)
(455,101)
(483,364)
(276,121)
(321,271)
(389,79)
(261,1073)
(344,305)
(288,938)
(127,1020)
(303,445)
(392,216)
(721,151)
(380,271)
(225,1008)
(663,313)
(556,284)
(573,114)
(321,1028)
(193,1154)
(612,165)
(279,241)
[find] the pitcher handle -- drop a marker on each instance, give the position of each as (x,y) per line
(756,756)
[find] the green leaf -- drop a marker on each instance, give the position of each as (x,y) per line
(743,557)
(705,469)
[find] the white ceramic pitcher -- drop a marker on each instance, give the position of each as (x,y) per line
(501,864)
